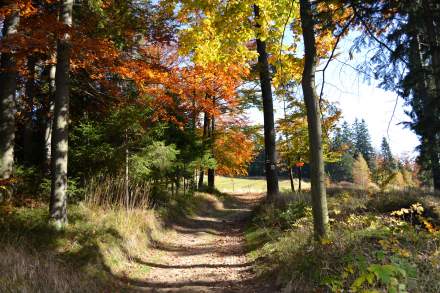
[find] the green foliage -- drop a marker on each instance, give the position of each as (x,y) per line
(369,250)
(362,142)
(155,161)
(352,141)
(293,212)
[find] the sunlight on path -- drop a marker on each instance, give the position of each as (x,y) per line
(207,253)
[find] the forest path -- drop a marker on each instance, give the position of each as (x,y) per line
(206,252)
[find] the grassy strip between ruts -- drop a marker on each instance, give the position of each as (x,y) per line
(380,242)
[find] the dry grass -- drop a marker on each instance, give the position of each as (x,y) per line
(24,271)
(364,236)
(110,191)
(94,253)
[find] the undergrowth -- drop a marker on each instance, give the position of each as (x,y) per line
(380,242)
(100,250)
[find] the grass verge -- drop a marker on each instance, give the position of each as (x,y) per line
(98,251)
(380,242)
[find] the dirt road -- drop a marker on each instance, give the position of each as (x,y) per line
(206,252)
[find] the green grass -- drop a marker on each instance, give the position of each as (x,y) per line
(251,184)
(369,249)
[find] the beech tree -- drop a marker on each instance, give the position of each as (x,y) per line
(58,197)
(311,99)
(8,85)
(270,162)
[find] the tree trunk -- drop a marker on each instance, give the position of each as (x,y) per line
(29,123)
(205,134)
(427,118)
(434,107)
(49,120)
(317,176)
(8,84)
(58,199)
(435,170)
(211,172)
(269,123)
(292,185)
(299,179)
(127,178)
(201,175)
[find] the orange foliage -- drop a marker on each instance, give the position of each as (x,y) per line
(233,151)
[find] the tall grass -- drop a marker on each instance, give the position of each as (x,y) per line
(111,192)
(22,270)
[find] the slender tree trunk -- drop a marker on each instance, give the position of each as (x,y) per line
(319,198)
(299,179)
(211,133)
(205,134)
(29,123)
(58,199)
(127,178)
(49,120)
(201,175)
(292,185)
(8,84)
(269,121)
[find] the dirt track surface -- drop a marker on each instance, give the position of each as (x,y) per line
(206,253)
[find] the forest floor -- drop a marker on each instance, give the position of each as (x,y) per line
(206,252)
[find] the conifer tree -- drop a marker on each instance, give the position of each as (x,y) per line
(361,172)
(388,160)
(362,142)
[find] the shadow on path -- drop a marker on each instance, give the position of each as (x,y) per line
(206,253)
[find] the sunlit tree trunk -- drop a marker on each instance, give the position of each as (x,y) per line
(319,198)
(8,84)
(58,199)
(269,121)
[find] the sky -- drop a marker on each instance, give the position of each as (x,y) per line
(360,99)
